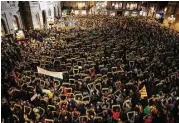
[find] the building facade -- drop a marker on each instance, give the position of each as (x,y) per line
(122,8)
(77,7)
(28,14)
(41,13)
(10,17)
(172,9)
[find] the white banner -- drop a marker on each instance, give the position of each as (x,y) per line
(46,91)
(34,97)
(50,73)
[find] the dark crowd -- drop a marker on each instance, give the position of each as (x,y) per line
(106,62)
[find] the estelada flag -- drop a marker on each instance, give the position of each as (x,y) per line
(143,92)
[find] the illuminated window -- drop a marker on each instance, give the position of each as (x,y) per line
(117,5)
(112,13)
(128,6)
(81,5)
(120,5)
(131,6)
(76,12)
(126,13)
(83,12)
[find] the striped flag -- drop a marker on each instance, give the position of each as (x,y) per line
(143,92)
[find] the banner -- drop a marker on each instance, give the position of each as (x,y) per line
(34,97)
(50,73)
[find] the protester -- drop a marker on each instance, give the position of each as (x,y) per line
(115,69)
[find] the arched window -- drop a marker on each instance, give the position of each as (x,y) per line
(49,12)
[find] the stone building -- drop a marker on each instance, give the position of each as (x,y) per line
(17,15)
(123,8)
(77,7)
(40,13)
(10,17)
(172,9)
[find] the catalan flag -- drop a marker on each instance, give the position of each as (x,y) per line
(143,92)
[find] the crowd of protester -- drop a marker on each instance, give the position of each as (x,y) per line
(106,62)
